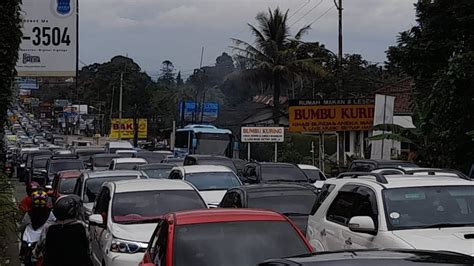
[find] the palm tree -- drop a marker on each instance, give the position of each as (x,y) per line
(273,56)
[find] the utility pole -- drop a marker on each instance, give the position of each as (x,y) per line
(120,105)
(341,135)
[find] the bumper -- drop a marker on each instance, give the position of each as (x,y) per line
(122,259)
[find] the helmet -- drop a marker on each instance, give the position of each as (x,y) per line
(39,198)
(67,207)
(32,186)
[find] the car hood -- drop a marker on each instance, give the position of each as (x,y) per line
(133,232)
(459,239)
(213,197)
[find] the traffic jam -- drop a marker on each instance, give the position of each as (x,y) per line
(141,207)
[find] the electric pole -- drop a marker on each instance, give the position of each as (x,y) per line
(120,105)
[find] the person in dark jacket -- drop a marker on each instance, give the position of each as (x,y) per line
(65,242)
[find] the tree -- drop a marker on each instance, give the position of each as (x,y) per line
(438,54)
(273,57)
(167,73)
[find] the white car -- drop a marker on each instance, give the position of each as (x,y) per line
(313,173)
(212,181)
(127,212)
(126,163)
(365,211)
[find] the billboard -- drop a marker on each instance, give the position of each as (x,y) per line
(48,47)
(124,128)
(192,111)
(262,134)
(331,115)
(27,84)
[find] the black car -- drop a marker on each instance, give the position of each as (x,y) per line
(101,161)
(293,200)
(375,258)
(62,163)
(368,165)
(37,171)
(197,159)
(256,173)
(156,170)
(26,159)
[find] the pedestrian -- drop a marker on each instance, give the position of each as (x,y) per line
(65,242)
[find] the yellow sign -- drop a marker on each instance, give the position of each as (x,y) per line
(124,128)
(331,115)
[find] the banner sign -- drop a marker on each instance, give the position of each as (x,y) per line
(48,47)
(262,134)
(331,115)
(124,128)
(192,111)
(27,83)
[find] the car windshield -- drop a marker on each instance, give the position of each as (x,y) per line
(158,173)
(93,185)
(67,186)
(228,163)
(282,173)
(151,157)
(257,241)
(127,166)
(213,180)
(102,161)
(300,202)
(40,163)
(65,165)
(421,207)
(138,207)
(314,173)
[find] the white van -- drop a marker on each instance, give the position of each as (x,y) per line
(113,146)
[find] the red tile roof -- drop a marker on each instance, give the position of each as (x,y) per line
(403,90)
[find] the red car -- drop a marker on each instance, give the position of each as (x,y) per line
(64,182)
(231,237)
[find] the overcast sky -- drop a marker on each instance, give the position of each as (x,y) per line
(151,31)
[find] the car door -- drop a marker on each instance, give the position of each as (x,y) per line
(99,235)
(337,218)
(160,250)
(366,205)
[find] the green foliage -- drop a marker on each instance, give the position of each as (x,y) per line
(167,74)
(8,210)
(10,38)
(438,54)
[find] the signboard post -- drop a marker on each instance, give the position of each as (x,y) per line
(49,43)
(331,115)
(263,135)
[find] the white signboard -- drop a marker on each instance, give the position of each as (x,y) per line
(262,134)
(48,48)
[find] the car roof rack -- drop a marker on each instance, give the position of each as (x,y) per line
(379,177)
(441,171)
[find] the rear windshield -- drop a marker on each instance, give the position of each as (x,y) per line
(282,173)
(40,163)
(314,173)
(127,166)
(86,154)
(158,173)
(135,207)
(296,202)
(103,161)
(67,186)
(93,185)
(151,157)
(229,163)
(256,240)
(65,165)
(213,181)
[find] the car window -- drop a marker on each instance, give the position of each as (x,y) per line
(282,173)
(213,180)
(66,186)
(286,202)
(127,166)
(314,173)
(160,252)
(228,200)
(157,173)
(92,186)
(323,194)
(341,208)
(366,204)
(65,165)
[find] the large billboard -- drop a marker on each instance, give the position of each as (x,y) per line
(124,128)
(193,112)
(331,115)
(48,48)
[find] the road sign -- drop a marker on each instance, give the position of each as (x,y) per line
(124,128)
(331,115)
(48,46)
(262,134)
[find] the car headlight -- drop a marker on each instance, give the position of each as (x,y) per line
(125,246)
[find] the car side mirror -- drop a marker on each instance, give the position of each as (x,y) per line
(362,224)
(96,219)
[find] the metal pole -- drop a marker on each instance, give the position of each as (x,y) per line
(248,151)
(312,151)
(77,65)
(383,130)
(276,151)
(320,149)
(323,155)
(120,105)
(173,136)
(338,148)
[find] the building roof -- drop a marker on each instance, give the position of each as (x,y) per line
(403,90)
(150,185)
(225,215)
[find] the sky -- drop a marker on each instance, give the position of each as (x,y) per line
(151,31)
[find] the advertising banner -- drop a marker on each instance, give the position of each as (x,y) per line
(331,115)
(27,83)
(192,111)
(124,128)
(262,134)
(48,47)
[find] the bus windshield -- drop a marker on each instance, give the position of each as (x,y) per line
(213,144)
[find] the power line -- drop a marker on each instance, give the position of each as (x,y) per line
(322,15)
(298,10)
(307,13)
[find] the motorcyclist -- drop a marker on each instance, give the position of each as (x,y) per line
(65,242)
(26,203)
(37,217)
